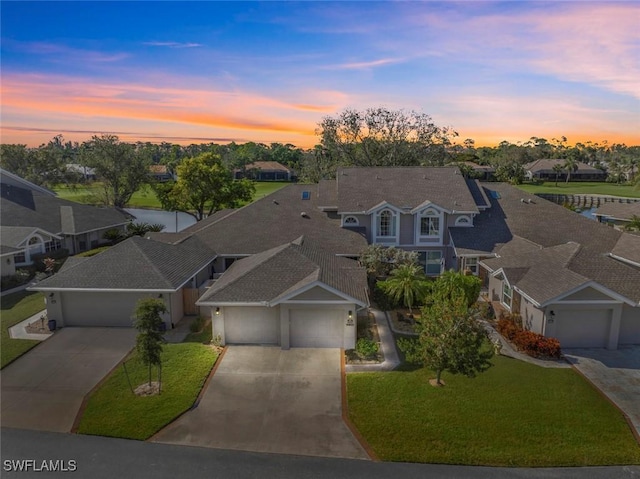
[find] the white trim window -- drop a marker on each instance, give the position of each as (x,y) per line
(430,224)
(350,221)
(432,262)
(471,263)
(463,221)
(507,294)
(386,226)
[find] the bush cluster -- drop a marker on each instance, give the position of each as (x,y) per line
(383,300)
(21,277)
(528,342)
(366,348)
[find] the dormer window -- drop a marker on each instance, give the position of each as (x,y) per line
(463,221)
(430,224)
(350,221)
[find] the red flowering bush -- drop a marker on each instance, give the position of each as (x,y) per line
(528,342)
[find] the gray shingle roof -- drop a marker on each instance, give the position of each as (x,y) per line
(275,220)
(627,247)
(619,211)
(265,277)
(134,264)
(360,189)
(546,166)
(547,225)
(29,208)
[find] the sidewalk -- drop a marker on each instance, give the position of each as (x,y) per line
(18,331)
(391,358)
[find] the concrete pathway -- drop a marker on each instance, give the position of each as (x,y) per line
(44,389)
(387,343)
(264,399)
(614,372)
(19,331)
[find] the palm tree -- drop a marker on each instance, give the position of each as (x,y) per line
(570,164)
(557,168)
(634,224)
(407,284)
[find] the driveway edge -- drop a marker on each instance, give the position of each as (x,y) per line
(345,413)
(634,431)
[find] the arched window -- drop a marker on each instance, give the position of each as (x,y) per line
(351,221)
(463,221)
(430,223)
(34,240)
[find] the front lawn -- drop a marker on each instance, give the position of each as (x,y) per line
(113,410)
(582,187)
(17,307)
(515,414)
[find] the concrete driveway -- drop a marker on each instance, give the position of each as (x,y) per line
(44,389)
(616,373)
(265,399)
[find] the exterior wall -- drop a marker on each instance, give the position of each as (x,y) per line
(587,294)
(203,276)
(7,266)
(317,294)
(495,289)
(407,229)
(533,318)
(349,336)
(630,325)
(175,306)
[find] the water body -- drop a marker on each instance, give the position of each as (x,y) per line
(173,221)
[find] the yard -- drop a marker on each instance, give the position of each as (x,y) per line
(515,414)
(17,307)
(113,410)
(144,197)
(583,187)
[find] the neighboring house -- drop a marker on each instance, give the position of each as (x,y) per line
(264,171)
(161,173)
(482,172)
(35,221)
(543,170)
(618,214)
(103,290)
(294,295)
(86,172)
(569,277)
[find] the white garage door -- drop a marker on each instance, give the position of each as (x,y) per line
(316,328)
(246,325)
(583,328)
(99,309)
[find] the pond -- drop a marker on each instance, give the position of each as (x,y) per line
(173,221)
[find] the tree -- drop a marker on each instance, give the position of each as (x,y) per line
(204,186)
(382,137)
(450,283)
(634,224)
(407,284)
(571,165)
(148,322)
(557,168)
(380,260)
(450,339)
(120,166)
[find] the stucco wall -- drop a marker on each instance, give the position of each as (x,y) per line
(317,294)
(630,325)
(532,317)
(407,229)
(7,266)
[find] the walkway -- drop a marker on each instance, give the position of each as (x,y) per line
(388,344)
(19,331)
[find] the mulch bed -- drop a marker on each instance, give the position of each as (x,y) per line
(367,328)
(403,326)
(38,327)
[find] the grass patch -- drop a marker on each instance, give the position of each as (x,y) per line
(582,187)
(17,307)
(93,252)
(114,411)
(515,414)
(202,335)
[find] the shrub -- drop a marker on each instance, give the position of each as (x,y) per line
(507,328)
(536,345)
(21,277)
(366,348)
(197,325)
(383,300)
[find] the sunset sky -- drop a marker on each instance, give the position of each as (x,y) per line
(192,72)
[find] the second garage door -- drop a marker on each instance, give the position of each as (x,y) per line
(316,328)
(583,328)
(247,325)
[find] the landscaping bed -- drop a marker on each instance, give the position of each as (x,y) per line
(401,321)
(17,307)
(514,414)
(368,349)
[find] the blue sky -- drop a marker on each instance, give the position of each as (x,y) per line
(245,71)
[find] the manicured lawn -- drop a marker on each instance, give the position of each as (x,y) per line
(579,187)
(15,308)
(515,414)
(114,411)
(145,197)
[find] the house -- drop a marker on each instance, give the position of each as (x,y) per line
(85,172)
(35,221)
(481,172)
(567,276)
(103,290)
(264,171)
(281,270)
(543,170)
(161,173)
(618,214)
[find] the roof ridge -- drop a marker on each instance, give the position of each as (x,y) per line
(146,256)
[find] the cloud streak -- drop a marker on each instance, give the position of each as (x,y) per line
(173,44)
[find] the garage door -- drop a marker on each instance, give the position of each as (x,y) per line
(583,328)
(313,328)
(251,326)
(99,309)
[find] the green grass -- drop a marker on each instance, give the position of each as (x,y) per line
(515,414)
(17,307)
(114,411)
(583,187)
(203,336)
(145,197)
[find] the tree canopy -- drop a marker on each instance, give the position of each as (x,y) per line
(148,322)
(204,186)
(407,285)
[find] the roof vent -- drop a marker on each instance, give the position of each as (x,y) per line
(304,214)
(275,202)
(522,200)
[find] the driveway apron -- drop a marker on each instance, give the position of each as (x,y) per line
(44,389)
(616,373)
(265,399)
